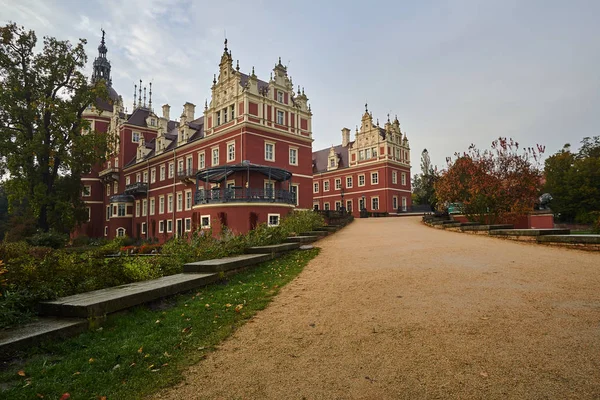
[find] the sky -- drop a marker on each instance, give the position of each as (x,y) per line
(454,72)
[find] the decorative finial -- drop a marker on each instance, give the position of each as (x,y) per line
(205,104)
(103,33)
(253,70)
(237,65)
(214,79)
(298,90)
(225,44)
(366,107)
(271,77)
(150,101)
(279,60)
(144,97)
(134,95)
(388,117)
(377,121)
(140,95)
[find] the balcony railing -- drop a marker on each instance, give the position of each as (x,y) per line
(109,174)
(187,175)
(226,195)
(136,188)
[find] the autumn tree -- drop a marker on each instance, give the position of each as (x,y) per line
(573,180)
(496,185)
(423,183)
(45,143)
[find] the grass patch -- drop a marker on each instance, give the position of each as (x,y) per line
(147,348)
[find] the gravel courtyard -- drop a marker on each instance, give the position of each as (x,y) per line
(392,309)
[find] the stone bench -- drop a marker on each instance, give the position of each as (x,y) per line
(227,263)
(105,301)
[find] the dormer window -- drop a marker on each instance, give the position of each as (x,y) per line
(218,118)
(152,122)
(233,111)
(280,96)
(225,115)
(332,162)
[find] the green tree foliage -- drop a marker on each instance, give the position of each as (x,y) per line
(573,180)
(45,143)
(423,183)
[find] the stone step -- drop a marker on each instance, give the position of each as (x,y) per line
(570,239)
(529,232)
(302,239)
(328,228)
(486,227)
(227,263)
(109,300)
(22,337)
(273,249)
(314,233)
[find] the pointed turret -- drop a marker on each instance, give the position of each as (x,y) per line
(101,64)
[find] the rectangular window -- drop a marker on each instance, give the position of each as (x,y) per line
(269,189)
(338,183)
(138,177)
(121,210)
(374,178)
(374,150)
(361,180)
(179,201)
(215,156)
(205,221)
(294,193)
(106,231)
(280,117)
(153,175)
(179,167)
(349,205)
(326,206)
(143,228)
(137,208)
(293,156)
(225,115)
(404,204)
(326,186)
(115,187)
(188,224)
(348,181)
(161,205)
(171,170)
(332,162)
(230,151)
(315,188)
(128,180)
(135,137)
(394,203)
(170,203)
(273,219)
(108,212)
(188,200)
(108,189)
(89,213)
(218,118)
(201,161)
(394,178)
(169,225)
(144,207)
(162,172)
(368,154)
(152,206)
(361,204)
(116,163)
(189,166)
(403,179)
(145,177)
(270,151)
(338,205)
(280,96)
(361,155)
(87,191)
(375,203)
(161,226)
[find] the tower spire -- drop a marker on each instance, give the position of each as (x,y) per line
(144,97)
(134,95)
(140,95)
(150,102)
(101,64)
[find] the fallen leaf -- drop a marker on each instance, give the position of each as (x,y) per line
(186,329)
(167,354)
(141,349)
(132,365)
(227,305)
(151,366)
(65,396)
(21,373)
(91,360)
(239,307)
(40,396)
(117,366)
(101,397)
(146,355)
(77,373)
(157,321)
(165,364)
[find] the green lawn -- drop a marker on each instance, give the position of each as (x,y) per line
(147,348)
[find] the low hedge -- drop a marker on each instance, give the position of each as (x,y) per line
(36,273)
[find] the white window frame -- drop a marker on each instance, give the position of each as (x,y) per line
(144,207)
(316,187)
(364,181)
(169,225)
(278,216)
(108,212)
(87,191)
(189,165)
(153,175)
(348,182)
(230,151)
(115,187)
(326,186)
(137,208)
(326,206)
(394,177)
(135,137)
(403,177)
(214,152)
(145,177)
(293,159)
(349,202)
(190,198)
(395,203)
(374,198)
(143,228)
(297,186)
(374,178)
(280,96)
(163,170)
(338,183)
(280,117)
(202,224)
(170,203)
(161,204)
(152,205)
(161,226)
(106,231)
(138,177)
(404,203)
(123,230)
(201,160)
(179,201)
(171,170)
(127,180)
(272,144)
(185,225)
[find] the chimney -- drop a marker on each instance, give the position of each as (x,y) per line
(345,137)
(188,109)
(166,111)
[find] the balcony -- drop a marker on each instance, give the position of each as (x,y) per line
(243,195)
(109,174)
(136,188)
(187,175)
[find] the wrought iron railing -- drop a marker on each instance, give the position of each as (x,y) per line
(136,188)
(187,173)
(225,195)
(415,208)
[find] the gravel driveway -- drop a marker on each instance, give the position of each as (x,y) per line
(392,309)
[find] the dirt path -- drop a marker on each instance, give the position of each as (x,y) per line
(392,309)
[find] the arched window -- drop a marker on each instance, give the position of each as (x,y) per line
(120,232)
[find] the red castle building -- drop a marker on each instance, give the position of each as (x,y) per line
(370,173)
(245,160)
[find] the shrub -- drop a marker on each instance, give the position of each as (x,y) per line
(52,239)
(82,240)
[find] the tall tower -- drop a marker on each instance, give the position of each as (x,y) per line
(101,64)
